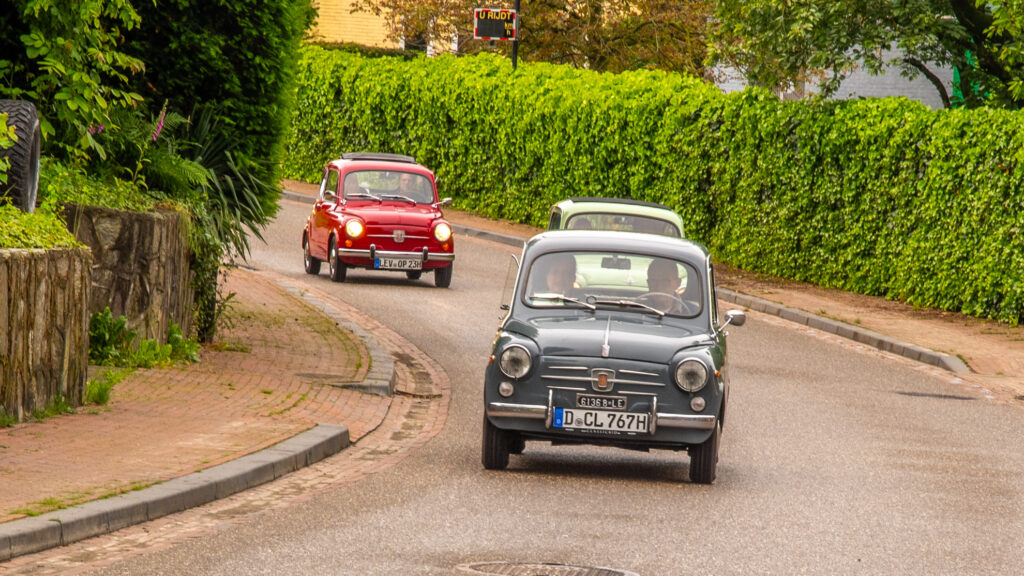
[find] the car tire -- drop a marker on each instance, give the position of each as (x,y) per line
(338,268)
(704,458)
(23,173)
(443,276)
(312,264)
(495,447)
(517,444)
(414,274)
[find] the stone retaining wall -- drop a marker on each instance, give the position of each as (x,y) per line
(140,266)
(44,328)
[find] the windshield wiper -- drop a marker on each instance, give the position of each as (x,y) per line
(564,298)
(361,195)
(400,197)
(631,303)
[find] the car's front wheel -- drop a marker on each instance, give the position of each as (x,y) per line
(704,458)
(312,264)
(338,268)
(495,446)
(443,276)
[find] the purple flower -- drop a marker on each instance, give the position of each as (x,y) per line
(160,122)
(94,129)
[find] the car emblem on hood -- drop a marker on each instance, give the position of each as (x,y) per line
(399,235)
(601,379)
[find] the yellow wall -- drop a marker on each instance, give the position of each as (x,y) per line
(336,23)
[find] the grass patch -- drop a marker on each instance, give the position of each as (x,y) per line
(267,392)
(230,347)
(56,407)
(98,391)
(7,420)
(283,410)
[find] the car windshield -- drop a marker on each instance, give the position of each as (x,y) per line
(389,186)
(622,223)
(630,282)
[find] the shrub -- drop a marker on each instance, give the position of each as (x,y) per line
(879,196)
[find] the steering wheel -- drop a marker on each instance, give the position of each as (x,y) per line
(684,306)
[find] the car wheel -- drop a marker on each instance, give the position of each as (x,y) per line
(517,444)
(443,276)
(414,274)
(704,458)
(23,173)
(312,264)
(495,447)
(338,268)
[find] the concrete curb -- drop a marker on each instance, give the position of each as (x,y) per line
(855,333)
(62,527)
(380,379)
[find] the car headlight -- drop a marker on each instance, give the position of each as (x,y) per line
(442,232)
(691,375)
(354,228)
(514,362)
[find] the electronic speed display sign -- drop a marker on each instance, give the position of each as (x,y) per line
(491,24)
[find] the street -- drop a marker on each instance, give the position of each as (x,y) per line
(834,460)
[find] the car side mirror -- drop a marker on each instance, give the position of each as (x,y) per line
(445,202)
(735,317)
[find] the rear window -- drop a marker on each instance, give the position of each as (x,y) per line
(622,223)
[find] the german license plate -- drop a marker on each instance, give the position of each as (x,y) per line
(604,420)
(397,264)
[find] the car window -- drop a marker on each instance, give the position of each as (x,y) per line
(668,285)
(622,223)
(395,185)
(331,183)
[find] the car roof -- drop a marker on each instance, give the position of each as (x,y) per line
(599,240)
(625,206)
(350,161)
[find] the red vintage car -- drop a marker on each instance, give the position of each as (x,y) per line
(380,212)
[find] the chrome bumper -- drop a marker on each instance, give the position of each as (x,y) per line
(373,253)
(540,412)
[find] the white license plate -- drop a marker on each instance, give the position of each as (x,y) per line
(578,419)
(397,264)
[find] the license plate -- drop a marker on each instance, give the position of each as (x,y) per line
(601,402)
(605,420)
(397,264)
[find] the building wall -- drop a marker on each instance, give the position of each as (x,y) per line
(337,23)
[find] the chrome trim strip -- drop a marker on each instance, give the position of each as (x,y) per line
(692,422)
(567,388)
(551,409)
(638,373)
(506,410)
(654,416)
(432,256)
(613,380)
(407,236)
(567,367)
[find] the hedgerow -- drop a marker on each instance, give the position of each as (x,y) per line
(878,196)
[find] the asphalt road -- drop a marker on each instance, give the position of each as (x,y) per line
(833,461)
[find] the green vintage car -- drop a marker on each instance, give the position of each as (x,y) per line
(611,338)
(617,214)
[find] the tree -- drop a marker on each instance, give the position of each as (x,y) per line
(612,35)
(66,57)
(782,43)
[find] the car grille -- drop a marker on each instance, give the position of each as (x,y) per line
(618,375)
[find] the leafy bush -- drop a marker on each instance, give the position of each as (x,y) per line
(111,343)
(40,229)
(879,196)
(7,138)
(238,56)
(110,340)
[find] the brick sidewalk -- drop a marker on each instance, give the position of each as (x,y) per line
(261,386)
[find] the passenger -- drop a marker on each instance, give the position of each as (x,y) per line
(560,274)
(580,223)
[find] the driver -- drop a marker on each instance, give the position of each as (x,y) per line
(663,283)
(560,274)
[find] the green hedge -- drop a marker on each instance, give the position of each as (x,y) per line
(878,196)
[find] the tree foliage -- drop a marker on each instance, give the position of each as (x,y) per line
(67,58)
(606,35)
(783,43)
(881,196)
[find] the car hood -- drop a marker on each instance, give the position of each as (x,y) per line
(628,337)
(392,213)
